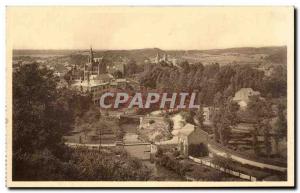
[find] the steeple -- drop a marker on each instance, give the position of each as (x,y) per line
(91,55)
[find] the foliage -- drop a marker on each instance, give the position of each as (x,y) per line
(176,153)
(213,79)
(224,118)
(106,166)
(118,74)
(255,143)
(169,162)
(200,116)
(188,116)
(131,68)
(261,111)
(40,118)
(227,163)
(151,121)
(82,165)
(42,115)
(267,138)
(169,121)
(159,152)
(281,123)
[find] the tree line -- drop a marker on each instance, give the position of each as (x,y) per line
(214,80)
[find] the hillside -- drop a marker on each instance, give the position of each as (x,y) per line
(243,55)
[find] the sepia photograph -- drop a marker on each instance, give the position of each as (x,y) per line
(150,96)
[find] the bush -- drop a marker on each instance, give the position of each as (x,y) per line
(159,152)
(151,121)
(83,165)
(171,163)
(176,153)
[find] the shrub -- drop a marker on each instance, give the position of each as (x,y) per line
(151,121)
(159,152)
(171,163)
(176,153)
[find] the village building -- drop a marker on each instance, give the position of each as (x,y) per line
(94,77)
(95,66)
(165,58)
(76,73)
(207,114)
(189,134)
(120,83)
(242,97)
(118,65)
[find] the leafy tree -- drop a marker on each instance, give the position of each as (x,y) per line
(223,119)
(267,138)
(185,66)
(281,123)
(200,116)
(218,99)
(223,77)
(170,122)
(188,116)
(118,74)
(260,110)
(131,68)
(280,126)
(255,143)
(39,118)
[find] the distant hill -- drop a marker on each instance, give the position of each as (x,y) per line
(245,50)
(243,55)
(279,56)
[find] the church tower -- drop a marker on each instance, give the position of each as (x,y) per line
(89,66)
(91,59)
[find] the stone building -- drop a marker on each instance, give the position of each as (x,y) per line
(94,66)
(188,135)
(242,97)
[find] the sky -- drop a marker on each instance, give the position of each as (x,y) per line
(171,28)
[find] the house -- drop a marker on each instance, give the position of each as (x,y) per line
(94,77)
(207,113)
(119,83)
(189,134)
(242,97)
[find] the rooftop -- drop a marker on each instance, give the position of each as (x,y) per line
(187,130)
(244,93)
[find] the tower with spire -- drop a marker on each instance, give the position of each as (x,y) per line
(91,57)
(94,66)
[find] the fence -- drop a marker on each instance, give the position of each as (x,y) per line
(222,169)
(225,152)
(241,158)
